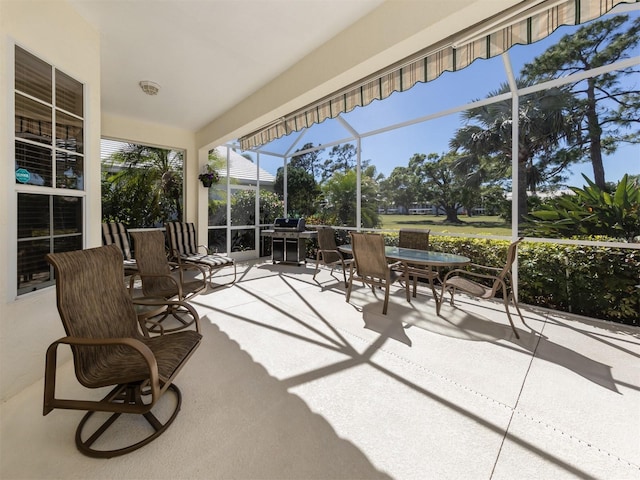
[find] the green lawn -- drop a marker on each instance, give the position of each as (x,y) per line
(475,225)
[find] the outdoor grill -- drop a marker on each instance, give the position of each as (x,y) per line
(288,240)
(294,225)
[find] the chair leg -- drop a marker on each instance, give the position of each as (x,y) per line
(404,280)
(515,304)
(445,288)
(406,289)
(439,304)
(386,299)
(506,307)
(231,282)
(433,289)
(344,273)
(317,265)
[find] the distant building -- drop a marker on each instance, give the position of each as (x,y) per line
(244,171)
(544,195)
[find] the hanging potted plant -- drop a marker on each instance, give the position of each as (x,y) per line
(209,176)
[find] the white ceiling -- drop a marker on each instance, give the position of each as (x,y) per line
(207,55)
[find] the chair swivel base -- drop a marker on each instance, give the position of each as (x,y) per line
(130,394)
(174,318)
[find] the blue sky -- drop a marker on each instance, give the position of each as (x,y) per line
(451,89)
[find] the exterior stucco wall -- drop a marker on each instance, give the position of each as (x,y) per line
(54,32)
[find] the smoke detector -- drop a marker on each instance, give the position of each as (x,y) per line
(148,87)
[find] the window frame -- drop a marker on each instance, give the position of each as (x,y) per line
(53,191)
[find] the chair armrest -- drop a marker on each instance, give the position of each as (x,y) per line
(462,272)
(181,268)
(186,265)
(168,276)
(485,267)
(50,401)
(141,277)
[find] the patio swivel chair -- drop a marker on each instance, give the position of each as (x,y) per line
(486,282)
(162,279)
(328,253)
(184,247)
(109,351)
(116,233)
(418,239)
(371,266)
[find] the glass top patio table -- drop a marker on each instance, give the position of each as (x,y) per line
(419,257)
(427,258)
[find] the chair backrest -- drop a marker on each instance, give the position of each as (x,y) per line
(93,302)
(151,257)
(327,238)
(114,233)
(327,244)
(418,239)
(511,257)
(182,237)
(368,252)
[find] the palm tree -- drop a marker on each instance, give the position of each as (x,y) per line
(143,186)
(484,143)
(340,194)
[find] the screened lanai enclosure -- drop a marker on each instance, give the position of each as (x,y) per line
(433,142)
(523,127)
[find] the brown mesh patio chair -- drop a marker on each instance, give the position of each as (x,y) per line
(486,282)
(116,233)
(184,247)
(328,253)
(418,239)
(109,350)
(162,279)
(371,266)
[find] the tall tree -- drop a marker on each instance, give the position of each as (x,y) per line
(401,188)
(302,190)
(342,158)
(443,185)
(608,109)
(309,161)
(484,143)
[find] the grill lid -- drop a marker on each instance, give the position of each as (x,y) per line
(289,224)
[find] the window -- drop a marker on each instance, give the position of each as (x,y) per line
(49,167)
(142,185)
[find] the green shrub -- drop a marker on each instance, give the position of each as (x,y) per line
(590,211)
(597,282)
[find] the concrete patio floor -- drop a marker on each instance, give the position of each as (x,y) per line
(292,382)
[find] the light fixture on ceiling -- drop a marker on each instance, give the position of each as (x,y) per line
(148,87)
